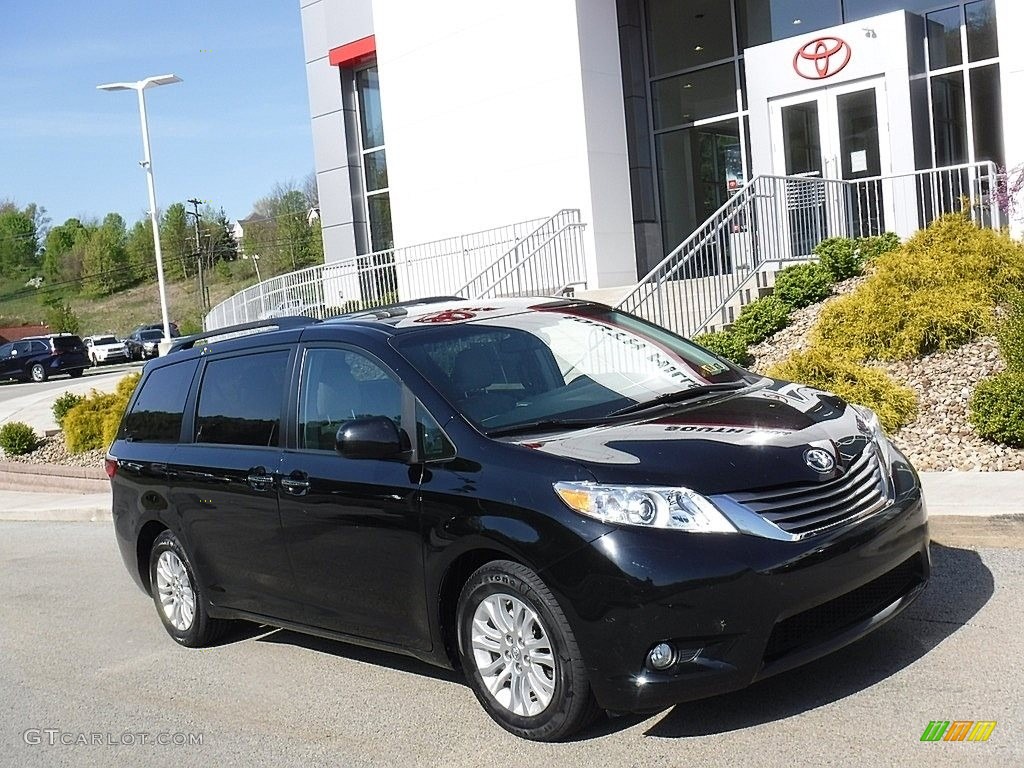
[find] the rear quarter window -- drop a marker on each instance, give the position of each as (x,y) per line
(241,398)
(68,343)
(156,414)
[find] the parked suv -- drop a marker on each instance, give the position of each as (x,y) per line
(142,344)
(581,510)
(105,348)
(36,358)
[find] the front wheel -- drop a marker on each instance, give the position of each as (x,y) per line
(178,596)
(520,655)
(37,372)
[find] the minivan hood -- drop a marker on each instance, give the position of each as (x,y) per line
(751,440)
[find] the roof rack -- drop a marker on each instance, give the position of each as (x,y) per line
(395,310)
(242,329)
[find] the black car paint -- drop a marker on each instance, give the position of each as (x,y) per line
(366,553)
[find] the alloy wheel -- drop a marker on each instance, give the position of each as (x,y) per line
(513,654)
(177,598)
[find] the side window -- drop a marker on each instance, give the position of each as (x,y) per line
(39,346)
(6,349)
(156,414)
(339,385)
(240,399)
(434,444)
(22,347)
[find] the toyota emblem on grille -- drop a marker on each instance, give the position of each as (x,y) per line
(819,460)
(822,58)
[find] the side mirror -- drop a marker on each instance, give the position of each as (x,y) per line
(372,437)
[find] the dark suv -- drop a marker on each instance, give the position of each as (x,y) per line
(579,509)
(36,358)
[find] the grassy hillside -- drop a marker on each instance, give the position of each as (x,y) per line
(120,312)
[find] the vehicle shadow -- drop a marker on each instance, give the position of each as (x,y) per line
(960,586)
(265,634)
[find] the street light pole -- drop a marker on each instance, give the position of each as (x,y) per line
(147,163)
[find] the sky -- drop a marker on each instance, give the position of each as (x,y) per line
(238,124)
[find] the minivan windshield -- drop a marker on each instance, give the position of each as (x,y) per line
(564,363)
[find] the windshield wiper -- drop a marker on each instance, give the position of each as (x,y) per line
(679,396)
(542,425)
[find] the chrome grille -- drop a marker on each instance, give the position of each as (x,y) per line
(801,509)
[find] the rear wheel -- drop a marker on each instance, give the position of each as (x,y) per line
(520,655)
(178,596)
(37,372)
(76,372)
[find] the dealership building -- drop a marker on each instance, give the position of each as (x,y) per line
(431,120)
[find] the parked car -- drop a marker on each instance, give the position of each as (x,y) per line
(143,344)
(580,509)
(36,358)
(173,327)
(105,348)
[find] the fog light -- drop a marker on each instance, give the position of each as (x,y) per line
(661,657)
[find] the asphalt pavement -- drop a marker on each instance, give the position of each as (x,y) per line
(87,675)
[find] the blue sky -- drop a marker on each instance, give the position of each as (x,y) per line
(237,124)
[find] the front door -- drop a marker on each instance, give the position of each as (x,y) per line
(836,134)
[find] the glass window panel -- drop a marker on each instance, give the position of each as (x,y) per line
(695,166)
(762,21)
(376,170)
(379,206)
(949,115)
(156,414)
(988,114)
(689,33)
(371,124)
(694,96)
(858,134)
(240,400)
(434,444)
(338,386)
(944,38)
(855,10)
(981,30)
(802,139)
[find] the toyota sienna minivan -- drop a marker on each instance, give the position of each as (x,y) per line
(580,510)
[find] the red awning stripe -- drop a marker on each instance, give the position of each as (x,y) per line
(350,53)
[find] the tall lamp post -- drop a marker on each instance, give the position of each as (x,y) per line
(147,163)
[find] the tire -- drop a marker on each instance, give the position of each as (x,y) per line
(171,573)
(37,373)
(503,599)
(76,372)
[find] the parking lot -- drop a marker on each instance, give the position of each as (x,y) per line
(87,675)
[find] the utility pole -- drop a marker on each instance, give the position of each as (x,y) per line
(204,299)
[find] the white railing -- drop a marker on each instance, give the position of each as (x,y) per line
(778,219)
(528,258)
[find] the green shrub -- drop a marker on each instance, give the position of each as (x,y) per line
(840,257)
(997,408)
(17,438)
(93,423)
(725,344)
(802,285)
(760,319)
(63,404)
(873,247)
(1011,334)
(826,370)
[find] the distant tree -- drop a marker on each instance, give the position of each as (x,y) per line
(216,237)
(279,231)
(60,317)
(106,267)
(141,254)
(19,241)
(58,244)
(311,191)
(177,242)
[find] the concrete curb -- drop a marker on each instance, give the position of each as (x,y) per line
(52,478)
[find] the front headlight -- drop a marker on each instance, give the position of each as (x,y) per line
(878,435)
(646,506)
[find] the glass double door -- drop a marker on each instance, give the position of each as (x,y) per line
(830,136)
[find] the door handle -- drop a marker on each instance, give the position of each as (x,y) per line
(296,484)
(259,480)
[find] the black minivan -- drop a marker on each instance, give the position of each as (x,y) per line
(579,509)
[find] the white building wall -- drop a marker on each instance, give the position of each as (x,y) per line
(496,113)
(322,22)
(1010,20)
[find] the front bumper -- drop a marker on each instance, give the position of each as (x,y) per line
(744,607)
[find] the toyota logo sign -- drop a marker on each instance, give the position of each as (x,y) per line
(822,58)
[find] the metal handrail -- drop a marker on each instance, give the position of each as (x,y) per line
(537,252)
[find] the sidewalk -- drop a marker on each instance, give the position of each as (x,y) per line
(35,406)
(972,494)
